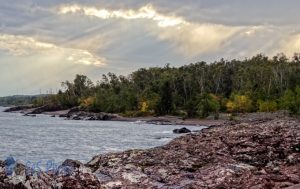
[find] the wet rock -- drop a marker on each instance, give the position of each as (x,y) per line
(81,115)
(30,115)
(181,131)
(76,117)
(9,161)
(72,163)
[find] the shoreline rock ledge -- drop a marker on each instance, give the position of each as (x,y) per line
(257,155)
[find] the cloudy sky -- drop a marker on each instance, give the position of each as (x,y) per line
(44,42)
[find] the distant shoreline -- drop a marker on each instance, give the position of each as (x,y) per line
(74,114)
(159,120)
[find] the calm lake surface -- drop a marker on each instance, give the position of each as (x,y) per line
(44,138)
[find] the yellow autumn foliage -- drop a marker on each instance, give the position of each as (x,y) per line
(144,106)
(240,103)
(87,102)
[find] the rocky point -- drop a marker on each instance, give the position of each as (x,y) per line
(261,154)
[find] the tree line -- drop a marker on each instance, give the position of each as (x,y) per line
(200,89)
(19,100)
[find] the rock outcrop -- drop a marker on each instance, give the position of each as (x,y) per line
(18,108)
(82,115)
(257,155)
(75,113)
(46,108)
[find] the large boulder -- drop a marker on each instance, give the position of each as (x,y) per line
(181,131)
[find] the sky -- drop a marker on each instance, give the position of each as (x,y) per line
(45,42)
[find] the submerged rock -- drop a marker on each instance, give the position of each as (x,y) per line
(30,115)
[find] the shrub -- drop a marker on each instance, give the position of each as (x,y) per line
(291,101)
(267,106)
(208,103)
(240,103)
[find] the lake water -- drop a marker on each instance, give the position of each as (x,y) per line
(44,138)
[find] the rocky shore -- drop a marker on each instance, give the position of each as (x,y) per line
(79,114)
(254,154)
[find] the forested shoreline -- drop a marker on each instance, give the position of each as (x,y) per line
(257,84)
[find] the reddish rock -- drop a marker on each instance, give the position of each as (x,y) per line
(262,154)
